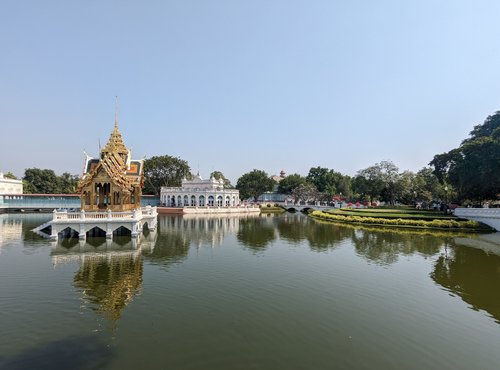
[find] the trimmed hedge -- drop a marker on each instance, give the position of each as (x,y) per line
(434,224)
(390,214)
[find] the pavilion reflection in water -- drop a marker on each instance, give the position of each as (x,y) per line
(110,273)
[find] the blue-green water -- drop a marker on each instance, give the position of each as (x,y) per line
(269,292)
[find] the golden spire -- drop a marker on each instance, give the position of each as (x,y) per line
(115,142)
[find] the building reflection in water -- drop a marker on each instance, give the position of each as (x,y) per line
(110,272)
(10,229)
(471,270)
(178,233)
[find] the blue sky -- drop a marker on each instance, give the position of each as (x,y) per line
(237,85)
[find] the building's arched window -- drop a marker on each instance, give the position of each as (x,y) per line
(201,201)
(172,201)
(186,200)
(193,201)
(179,201)
(228,201)
(234,201)
(219,201)
(211,200)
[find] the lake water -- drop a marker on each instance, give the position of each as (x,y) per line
(267,292)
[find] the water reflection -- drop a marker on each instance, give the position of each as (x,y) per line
(10,229)
(179,233)
(110,273)
(471,270)
(386,246)
(15,226)
(320,236)
(73,352)
(256,233)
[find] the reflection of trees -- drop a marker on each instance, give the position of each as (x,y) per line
(321,236)
(110,281)
(385,246)
(256,233)
(473,275)
(170,248)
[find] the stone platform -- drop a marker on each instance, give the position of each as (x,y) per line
(82,222)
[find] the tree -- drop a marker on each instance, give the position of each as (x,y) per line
(164,171)
(67,183)
(289,183)
(38,181)
(329,182)
(426,185)
(305,193)
(219,175)
(379,180)
(473,168)
(253,184)
(368,183)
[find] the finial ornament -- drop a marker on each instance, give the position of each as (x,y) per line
(116,111)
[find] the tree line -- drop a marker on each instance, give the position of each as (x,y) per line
(469,173)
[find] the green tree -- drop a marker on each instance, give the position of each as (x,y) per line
(164,170)
(473,168)
(379,181)
(329,182)
(427,185)
(38,181)
(253,184)
(219,175)
(289,183)
(368,183)
(67,183)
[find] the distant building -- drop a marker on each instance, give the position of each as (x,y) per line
(200,193)
(280,177)
(10,186)
(274,196)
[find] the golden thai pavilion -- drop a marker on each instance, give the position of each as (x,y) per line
(114,181)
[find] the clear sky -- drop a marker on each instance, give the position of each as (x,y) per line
(237,85)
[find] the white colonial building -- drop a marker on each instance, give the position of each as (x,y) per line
(10,186)
(200,193)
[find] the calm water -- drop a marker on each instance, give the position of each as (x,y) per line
(277,292)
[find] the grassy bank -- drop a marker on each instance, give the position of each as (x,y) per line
(392,213)
(395,218)
(271,210)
